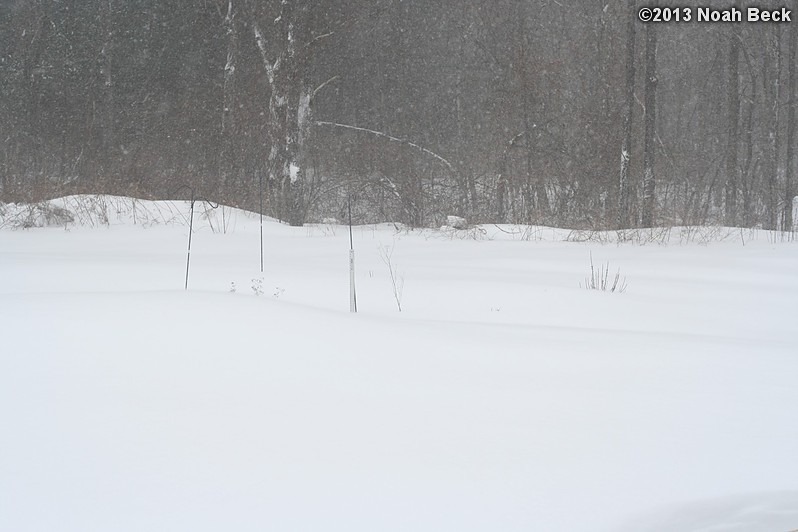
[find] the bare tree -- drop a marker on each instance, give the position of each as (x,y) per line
(106,69)
(227,159)
(626,148)
(772,67)
(789,185)
(286,50)
(732,127)
(649,147)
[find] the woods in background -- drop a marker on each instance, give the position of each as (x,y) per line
(569,113)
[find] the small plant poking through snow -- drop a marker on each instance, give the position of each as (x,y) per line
(233,288)
(278,292)
(599,279)
(397,280)
(257,286)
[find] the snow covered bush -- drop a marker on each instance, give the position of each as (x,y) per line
(43,214)
(456,222)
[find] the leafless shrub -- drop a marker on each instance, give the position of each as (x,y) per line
(643,236)
(600,237)
(43,214)
(473,232)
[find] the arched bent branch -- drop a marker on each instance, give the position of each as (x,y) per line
(393,139)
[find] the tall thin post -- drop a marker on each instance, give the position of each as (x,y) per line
(190,230)
(352,293)
(260,194)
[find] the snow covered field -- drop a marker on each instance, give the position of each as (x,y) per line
(504,397)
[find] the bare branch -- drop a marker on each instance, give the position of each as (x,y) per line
(319,38)
(394,139)
(320,87)
(267,65)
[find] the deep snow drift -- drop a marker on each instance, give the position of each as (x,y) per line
(503,397)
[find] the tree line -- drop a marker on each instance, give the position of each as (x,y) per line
(568,113)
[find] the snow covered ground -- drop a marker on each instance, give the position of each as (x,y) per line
(504,397)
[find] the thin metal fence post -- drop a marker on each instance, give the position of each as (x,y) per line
(260,193)
(352,292)
(190,230)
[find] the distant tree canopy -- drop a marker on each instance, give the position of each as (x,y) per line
(502,111)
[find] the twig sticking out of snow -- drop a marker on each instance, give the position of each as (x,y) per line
(397,281)
(600,279)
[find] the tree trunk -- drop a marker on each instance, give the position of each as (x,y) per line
(733,99)
(227,166)
(747,166)
(108,138)
(524,93)
(789,185)
(33,145)
(649,149)
(536,204)
(626,148)
(773,67)
(501,192)
(289,110)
